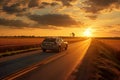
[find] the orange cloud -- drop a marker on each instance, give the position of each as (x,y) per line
(95,6)
(53,19)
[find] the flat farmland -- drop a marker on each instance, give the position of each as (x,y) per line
(12,44)
(19,41)
(113,43)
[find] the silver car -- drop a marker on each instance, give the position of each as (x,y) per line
(56,44)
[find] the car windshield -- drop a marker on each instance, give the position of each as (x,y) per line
(50,40)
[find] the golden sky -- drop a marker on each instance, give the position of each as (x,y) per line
(59,17)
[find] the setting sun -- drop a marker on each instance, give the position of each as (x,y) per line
(88,32)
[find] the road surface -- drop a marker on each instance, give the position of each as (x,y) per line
(56,69)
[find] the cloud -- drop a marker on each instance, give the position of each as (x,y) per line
(41,4)
(67,2)
(13,23)
(22,6)
(92,17)
(95,6)
(34,3)
(53,19)
(44,4)
(114,28)
(54,4)
(15,8)
(115,31)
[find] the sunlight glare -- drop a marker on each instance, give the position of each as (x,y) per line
(88,32)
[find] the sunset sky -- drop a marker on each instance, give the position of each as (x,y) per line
(59,17)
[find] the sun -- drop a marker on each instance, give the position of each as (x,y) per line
(88,32)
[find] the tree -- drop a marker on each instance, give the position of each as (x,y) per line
(73,34)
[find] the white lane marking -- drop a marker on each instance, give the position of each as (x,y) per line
(19,74)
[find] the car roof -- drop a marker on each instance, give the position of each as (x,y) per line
(52,38)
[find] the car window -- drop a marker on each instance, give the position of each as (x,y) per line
(50,40)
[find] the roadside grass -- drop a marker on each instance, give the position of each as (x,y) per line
(107,66)
(9,53)
(16,43)
(113,45)
(4,49)
(99,63)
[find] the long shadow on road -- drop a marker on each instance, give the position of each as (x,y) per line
(12,66)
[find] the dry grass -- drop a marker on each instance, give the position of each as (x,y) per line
(12,44)
(19,41)
(107,66)
(113,45)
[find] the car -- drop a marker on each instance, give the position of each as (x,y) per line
(56,44)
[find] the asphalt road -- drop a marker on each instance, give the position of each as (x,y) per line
(57,69)
(62,67)
(19,62)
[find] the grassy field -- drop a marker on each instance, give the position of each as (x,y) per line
(19,41)
(12,44)
(113,45)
